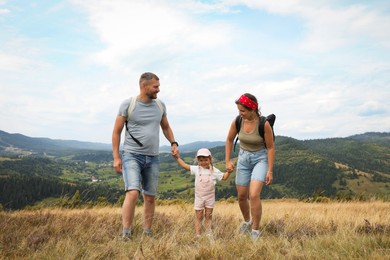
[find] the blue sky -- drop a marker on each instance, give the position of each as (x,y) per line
(323,67)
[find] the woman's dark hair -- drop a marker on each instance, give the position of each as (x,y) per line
(254,99)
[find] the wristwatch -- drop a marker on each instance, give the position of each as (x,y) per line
(174,142)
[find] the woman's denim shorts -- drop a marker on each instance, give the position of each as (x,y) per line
(251,166)
(141,172)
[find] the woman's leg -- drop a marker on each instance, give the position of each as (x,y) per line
(242,194)
(255,203)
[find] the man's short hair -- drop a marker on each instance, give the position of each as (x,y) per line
(147,76)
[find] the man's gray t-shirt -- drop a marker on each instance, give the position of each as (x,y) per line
(144,125)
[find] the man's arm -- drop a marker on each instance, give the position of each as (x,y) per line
(168,133)
(116,139)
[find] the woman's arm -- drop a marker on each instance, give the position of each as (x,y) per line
(229,145)
(269,140)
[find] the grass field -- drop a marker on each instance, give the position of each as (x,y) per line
(290,230)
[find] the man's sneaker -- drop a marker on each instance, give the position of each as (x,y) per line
(148,232)
(126,236)
(255,234)
(246,226)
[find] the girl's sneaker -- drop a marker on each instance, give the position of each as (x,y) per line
(126,236)
(148,232)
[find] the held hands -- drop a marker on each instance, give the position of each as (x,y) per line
(229,167)
(176,156)
(229,170)
(175,151)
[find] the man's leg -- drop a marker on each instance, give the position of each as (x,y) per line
(150,176)
(128,208)
(149,207)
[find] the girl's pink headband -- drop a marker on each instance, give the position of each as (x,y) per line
(248,102)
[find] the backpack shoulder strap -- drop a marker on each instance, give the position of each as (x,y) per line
(131,107)
(238,123)
(129,111)
(261,126)
(159,104)
(271,120)
(238,127)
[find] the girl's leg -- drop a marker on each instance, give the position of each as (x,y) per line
(208,217)
(242,193)
(255,203)
(198,222)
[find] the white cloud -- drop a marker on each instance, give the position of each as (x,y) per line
(10,62)
(330,28)
(322,76)
(328,25)
(20,54)
(136,30)
(4,11)
(372,107)
(201,7)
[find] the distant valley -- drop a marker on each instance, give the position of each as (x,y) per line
(42,171)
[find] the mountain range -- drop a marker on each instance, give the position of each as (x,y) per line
(19,143)
(10,143)
(35,169)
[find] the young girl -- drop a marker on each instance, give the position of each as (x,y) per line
(205,179)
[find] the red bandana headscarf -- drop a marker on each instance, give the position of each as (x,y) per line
(248,102)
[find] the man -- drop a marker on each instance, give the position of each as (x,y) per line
(139,164)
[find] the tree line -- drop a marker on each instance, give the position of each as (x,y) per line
(302,169)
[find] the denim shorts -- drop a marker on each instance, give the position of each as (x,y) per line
(251,166)
(141,172)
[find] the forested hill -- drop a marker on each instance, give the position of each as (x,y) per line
(21,144)
(338,168)
(368,152)
(344,167)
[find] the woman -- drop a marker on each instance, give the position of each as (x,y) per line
(255,161)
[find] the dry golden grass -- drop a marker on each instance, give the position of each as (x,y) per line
(290,230)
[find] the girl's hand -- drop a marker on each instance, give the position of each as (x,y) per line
(176,155)
(226,175)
